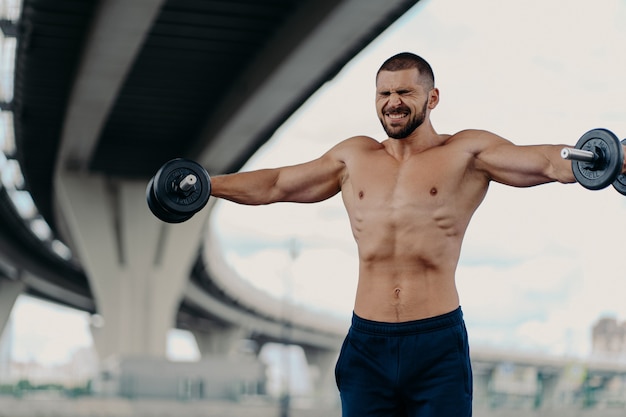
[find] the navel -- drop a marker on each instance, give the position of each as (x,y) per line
(397,303)
(361,195)
(433,191)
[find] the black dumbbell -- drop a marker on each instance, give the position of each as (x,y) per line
(179,189)
(620,182)
(597,159)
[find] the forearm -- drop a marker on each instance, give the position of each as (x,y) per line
(250,188)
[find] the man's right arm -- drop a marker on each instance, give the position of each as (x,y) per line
(309,182)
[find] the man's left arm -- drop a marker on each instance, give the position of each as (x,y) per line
(521,166)
(524,166)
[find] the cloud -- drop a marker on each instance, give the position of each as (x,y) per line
(48,344)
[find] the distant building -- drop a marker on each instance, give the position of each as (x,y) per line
(609,337)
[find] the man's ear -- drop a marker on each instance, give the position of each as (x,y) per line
(433,98)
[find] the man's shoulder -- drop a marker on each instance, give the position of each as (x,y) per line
(475,138)
(362,140)
(472,134)
(359,142)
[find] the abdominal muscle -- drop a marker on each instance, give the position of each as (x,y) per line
(392,291)
(406,273)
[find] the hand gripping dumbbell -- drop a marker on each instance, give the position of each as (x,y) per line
(179,189)
(597,160)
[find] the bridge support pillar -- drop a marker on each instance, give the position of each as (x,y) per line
(9,291)
(323,362)
(219,340)
(137,266)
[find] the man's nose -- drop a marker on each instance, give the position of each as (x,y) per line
(394,99)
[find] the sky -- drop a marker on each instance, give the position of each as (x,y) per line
(539,265)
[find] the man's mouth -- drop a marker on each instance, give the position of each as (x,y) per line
(396,115)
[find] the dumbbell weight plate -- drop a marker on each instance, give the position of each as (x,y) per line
(598,175)
(620,182)
(158,210)
(167,201)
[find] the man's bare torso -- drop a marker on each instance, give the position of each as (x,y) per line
(408,216)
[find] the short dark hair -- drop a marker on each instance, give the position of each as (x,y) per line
(408,60)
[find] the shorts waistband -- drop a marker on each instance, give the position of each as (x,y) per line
(443,321)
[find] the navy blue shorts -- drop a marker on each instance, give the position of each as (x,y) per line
(419,368)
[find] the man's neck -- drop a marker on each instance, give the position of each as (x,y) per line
(421,139)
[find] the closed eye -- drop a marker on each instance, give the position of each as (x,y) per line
(398,92)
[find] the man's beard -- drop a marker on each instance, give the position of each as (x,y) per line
(414,122)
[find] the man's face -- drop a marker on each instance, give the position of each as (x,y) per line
(401,102)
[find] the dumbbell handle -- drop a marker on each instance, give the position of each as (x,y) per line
(188,182)
(573,154)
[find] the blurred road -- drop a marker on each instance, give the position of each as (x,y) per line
(109,407)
